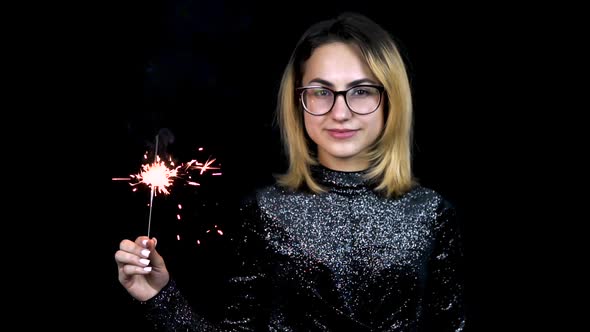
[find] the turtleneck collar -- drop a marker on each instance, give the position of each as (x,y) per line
(334,179)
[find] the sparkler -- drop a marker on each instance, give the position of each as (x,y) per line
(159,177)
(154,185)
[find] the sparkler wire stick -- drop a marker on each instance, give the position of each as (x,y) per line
(152,192)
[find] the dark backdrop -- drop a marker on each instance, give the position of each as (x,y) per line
(207,73)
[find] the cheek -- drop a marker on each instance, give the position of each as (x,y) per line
(312,125)
(377,125)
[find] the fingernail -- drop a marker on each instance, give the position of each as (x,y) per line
(147,268)
(144,261)
(144,242)
(145,253)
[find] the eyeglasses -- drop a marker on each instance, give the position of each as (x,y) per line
(360,99)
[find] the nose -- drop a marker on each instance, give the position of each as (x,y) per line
(340,110)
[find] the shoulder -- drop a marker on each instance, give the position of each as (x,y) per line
(442,212)
(424,195)
(430,201)
(253,203)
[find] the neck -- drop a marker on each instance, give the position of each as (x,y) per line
(344,165)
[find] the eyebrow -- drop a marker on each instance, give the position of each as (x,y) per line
(353,83)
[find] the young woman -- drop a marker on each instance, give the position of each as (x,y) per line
(346,239)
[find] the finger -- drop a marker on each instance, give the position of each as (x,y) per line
(151,243)
(126,258)
(155,257)
(128,245)
(135,248)
(141,241)
(131,270)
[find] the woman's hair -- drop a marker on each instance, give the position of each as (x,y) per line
(390,155)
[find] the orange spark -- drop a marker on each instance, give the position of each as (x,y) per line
(156,175)
(203,167)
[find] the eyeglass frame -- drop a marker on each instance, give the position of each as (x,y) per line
(344,93)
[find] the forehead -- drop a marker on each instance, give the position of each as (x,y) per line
(336,62)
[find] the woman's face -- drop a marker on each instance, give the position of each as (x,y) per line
(341,135)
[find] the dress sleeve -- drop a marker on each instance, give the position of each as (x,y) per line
(170,311)
(245,310)
(445,287)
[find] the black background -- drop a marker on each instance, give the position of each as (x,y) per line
(208,72)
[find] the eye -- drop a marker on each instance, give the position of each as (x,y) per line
(321,92)
(363,91)
(359,91)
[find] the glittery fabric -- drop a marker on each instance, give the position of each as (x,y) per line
(346,260)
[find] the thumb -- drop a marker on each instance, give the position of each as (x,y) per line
(155,258)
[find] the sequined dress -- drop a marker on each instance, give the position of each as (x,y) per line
(345,260)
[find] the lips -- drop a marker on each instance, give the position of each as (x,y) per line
(342,133)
